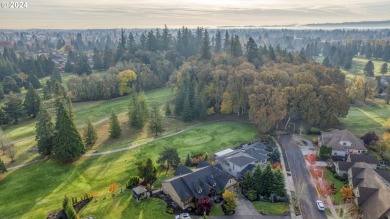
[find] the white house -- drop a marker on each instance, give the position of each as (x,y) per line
(342,142)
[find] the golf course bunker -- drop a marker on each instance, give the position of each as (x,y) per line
(195,140)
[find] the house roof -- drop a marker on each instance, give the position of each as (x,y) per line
(333,139)
(181,169)
(373,191)
(139,190)
(344,165)
(250,167)
(202,163)
(384,174)
(241,160)
(199,183)
(363,158)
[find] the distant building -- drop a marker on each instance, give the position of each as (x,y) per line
(342,142)
(237,162)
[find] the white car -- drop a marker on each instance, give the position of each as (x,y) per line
(320,205)
(183,216)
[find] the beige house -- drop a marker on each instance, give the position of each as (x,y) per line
(342,142)
(202,182)
(371,189)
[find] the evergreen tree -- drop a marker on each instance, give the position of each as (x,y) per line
(56,76)
(138,111)
(89,134)
(1,92)
(147,171)
(166,38)
(32,79)
(115,128)
(206,48)
(170,156)
(168,111)
(97,60)
(121,47)
(155,120)
(226,42)
(188,160)
(10,85)
(13,107)
(235,47)
(248,182)
(279,184)
(252,52)
(258,178)
(326,62)
(68,66)
(267,179)
(218,42)
(369,69)
(68,144)
(3,168)
(44,134)
(384,68)
(32,102)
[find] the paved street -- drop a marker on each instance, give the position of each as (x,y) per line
(301,178)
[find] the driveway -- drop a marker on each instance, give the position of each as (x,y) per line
(301,177)
(245,210)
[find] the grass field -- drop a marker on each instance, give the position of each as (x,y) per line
(269,208)
(35,190)
(358,64)
(364,118)
(97,111)
(337,197)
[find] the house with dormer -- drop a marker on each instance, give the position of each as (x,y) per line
(188,186)
(342,142)
(237,162)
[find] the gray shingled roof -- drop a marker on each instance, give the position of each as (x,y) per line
(200,182)
(363,158)
(181,170)
(344,165)
(241,160)
(333,138)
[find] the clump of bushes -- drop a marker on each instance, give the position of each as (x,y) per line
(314,131)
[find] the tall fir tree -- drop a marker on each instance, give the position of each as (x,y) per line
(138,110)
(115,128)
(188,160)
(267,179)
(155,120)
(206,48)
(44,134)
(279,184)
(384,68)
(90,137)
(3,168)
(68,144)
(226,42)
(218,42)
(32,102)
(168,111)
(369,69)
(259,179)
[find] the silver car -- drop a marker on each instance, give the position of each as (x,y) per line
(320,205)
(183,216)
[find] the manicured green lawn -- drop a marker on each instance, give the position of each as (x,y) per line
(35,190)
(216,210)
(337,197)
(268,208)
(358,64)
(123,206)
(364,118)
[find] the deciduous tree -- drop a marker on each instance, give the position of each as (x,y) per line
(126,77)
(230,200)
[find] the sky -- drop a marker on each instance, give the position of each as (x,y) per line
(83,14)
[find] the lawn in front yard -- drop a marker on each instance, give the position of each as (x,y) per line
(268,208)
(216,210)
(337,197)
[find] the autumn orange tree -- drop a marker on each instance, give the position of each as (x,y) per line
(112,187)
(346,192)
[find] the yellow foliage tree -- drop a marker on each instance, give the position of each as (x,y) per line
(227,104)
(230,200)
(346,192)
(210,111)
(125,77)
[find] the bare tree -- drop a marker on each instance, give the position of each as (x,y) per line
(11,152)
(4,141)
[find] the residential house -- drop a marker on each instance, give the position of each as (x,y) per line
(342,167)
(203,182)
(237,162)
(342,142)
(371,189)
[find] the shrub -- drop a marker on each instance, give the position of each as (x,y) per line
(314,131)
(133,180)
(169,210)
(252,195)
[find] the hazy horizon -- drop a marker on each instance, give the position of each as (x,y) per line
(176,13)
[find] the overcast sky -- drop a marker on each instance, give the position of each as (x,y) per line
(175,13)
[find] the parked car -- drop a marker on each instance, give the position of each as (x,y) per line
(320,205)
(183,216)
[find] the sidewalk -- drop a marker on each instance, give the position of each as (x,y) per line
(289,182)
